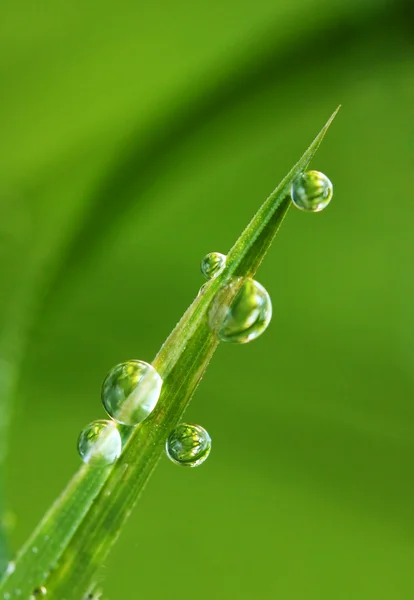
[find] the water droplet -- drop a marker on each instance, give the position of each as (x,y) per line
(11,567)
(130,391)
(212,264)
(202,289)
(312,191)
(241,311)
(40,591)
(188,445)
(100,443)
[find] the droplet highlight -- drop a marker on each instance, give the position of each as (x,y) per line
(241,311)
(40,592)
(188,445)
(11,567)
(100,443)
(130,392)
(212,264)
(311,191)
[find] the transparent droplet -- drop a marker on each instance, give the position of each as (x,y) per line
(100,443)
(241,311)
(188,445)
(130,391)
(39,592)
(212,264)
(312,191)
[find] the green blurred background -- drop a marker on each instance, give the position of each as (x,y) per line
(137,137)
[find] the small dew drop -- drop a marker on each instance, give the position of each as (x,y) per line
(35,550)
(100,443)
(312,191)
(202,289)
(130,392)
(241,311)
(212,264)
(40,592)
(11,567)
(188,445)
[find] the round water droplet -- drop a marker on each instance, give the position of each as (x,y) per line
(212,264)
(100,443)
(130,391)
(241,311)
(188,445)
(39,592)
(312,191)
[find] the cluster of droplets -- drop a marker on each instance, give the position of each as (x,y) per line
(239,313)
(130,393)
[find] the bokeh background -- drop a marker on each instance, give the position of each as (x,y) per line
(135,138)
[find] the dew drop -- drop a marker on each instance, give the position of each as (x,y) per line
(130,392)
(188,445)
(202,289)
(212,264)
(39,592)
(312,191)
(241,311)
(100,443)
(11,567)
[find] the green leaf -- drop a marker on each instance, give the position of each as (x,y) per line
(70,544)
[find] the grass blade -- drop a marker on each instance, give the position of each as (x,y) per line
(69,545)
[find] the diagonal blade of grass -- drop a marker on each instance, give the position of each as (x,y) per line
(69,545)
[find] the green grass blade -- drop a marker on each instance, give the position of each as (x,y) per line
(70,544)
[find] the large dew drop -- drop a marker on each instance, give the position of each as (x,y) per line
(241,311)
(130,392)
(100,443)
(188,445)
(212,264)
(312,191)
